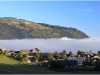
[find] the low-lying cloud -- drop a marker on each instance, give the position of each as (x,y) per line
(52,45)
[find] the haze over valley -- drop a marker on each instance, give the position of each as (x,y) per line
(52,45)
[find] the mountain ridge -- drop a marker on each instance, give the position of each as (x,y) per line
(14,28)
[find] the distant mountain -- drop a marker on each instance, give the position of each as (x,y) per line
(13,28)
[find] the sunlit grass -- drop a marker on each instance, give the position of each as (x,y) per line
(7,60)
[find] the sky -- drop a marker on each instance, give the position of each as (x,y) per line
(83,15)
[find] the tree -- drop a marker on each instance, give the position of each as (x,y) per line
(98,53)
(71,54)
(75,56)
(64,56)
(36,56)
(60,54)
(13,54)
(56,55)
(41,56)
(5,53)
(25,57)
(50,56)
(78,52)
(64,52)
(1,52)
(20,55)
(11,51)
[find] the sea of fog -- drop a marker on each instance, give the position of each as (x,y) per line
(52,45)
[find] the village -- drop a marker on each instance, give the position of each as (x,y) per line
(36,57)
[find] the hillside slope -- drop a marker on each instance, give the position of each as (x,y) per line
(7,60)
(13,28)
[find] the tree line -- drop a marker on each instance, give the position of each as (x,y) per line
(23,56)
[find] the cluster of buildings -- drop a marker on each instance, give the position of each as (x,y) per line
(85,58)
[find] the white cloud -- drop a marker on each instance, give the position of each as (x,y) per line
(65,38)
(52,45)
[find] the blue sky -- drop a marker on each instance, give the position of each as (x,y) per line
(83,15)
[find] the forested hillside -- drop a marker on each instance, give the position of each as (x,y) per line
(13,28)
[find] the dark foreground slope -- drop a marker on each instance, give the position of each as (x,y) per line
(13,28)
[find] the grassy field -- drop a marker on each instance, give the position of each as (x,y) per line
(10,66)
(6,60)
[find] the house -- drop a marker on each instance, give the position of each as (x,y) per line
(84,53)
(2,49)
(26,51)
(68,55)
(36,50)
(98,53)
(96,57)
(17,52)
(33,50)
(31,53)
(44,55)
(79,60)
(9,54)
(68,63)
(30,56)
(72,58)
(87,53)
